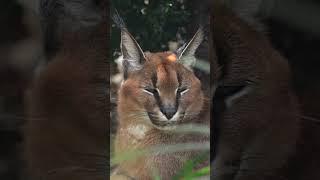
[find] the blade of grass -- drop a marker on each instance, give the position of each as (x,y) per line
(202,172)
(187,171)
(192,128)
(158,150)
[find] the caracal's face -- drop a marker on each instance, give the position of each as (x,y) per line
(166,92)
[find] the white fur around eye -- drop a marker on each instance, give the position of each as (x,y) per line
(185,91)
(182,92)
(148,92)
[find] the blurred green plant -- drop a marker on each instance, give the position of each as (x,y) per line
(190,170)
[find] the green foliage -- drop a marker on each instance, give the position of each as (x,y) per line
(190,170)
(152,22)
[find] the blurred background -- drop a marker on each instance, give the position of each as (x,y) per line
(20,53)
(293,26)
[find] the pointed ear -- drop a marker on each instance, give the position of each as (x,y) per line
(133,56)
(186,54)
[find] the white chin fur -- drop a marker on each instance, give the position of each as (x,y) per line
(166,128)
(138,131)
(162,117)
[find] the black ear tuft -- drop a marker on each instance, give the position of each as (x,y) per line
(118,20)
(132,54)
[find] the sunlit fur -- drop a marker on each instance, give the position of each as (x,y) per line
(137,129)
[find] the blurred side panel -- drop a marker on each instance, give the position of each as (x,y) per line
(20,52)
(66,133)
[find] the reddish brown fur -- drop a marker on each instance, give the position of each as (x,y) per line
(132,100)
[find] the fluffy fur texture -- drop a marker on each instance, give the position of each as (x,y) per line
(134,106)
(159,93)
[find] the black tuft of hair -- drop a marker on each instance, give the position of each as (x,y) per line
(118,20)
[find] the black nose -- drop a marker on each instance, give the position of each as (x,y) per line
(168,111)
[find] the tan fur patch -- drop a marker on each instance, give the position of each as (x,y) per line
(172,57)
(161,72)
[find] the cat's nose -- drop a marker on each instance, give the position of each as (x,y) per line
(169,112)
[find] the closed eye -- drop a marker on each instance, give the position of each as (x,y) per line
(182,90)
(151,91)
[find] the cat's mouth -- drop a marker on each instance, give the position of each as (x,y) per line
(161,123)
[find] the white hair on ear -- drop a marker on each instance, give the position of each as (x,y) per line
(186,54)
(118,78)
(119,62)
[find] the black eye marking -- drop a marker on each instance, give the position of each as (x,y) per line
(182,90)
(179,78)
(150,90)
(154,79)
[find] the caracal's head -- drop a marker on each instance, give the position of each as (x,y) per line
(159,89)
